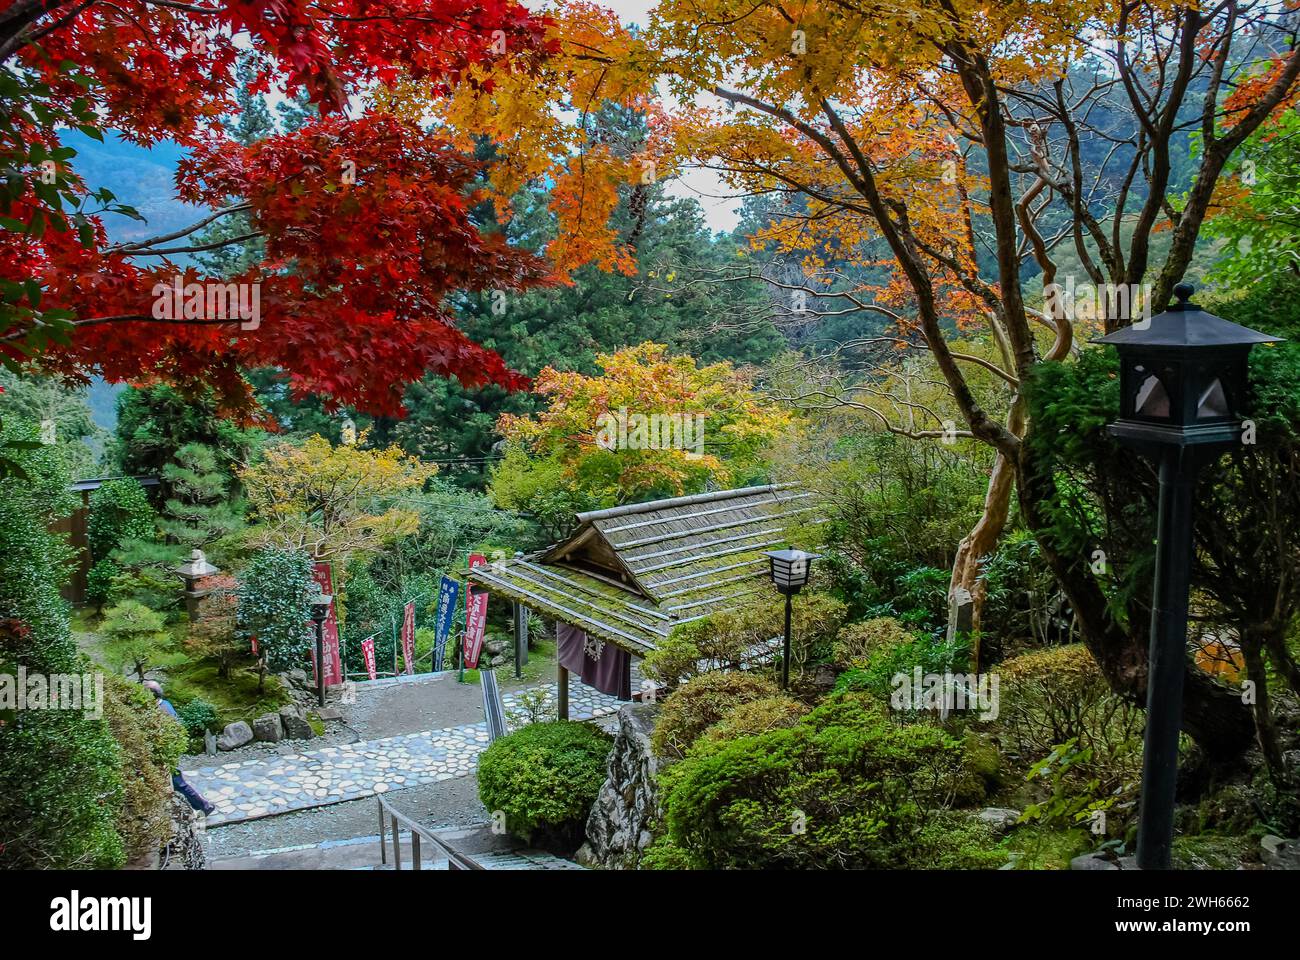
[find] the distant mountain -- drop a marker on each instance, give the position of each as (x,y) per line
(139,177)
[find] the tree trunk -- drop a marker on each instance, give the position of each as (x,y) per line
(966,584)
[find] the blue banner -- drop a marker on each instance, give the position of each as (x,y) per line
(448,594)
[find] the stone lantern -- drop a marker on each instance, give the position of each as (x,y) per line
(192,571)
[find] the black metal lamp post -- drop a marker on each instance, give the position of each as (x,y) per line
(320,610)
(1182,395)
(789,571)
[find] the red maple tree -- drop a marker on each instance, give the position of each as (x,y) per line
(365,219)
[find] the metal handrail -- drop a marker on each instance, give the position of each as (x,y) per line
(455,859)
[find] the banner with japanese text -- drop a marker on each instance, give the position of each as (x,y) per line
(408,637)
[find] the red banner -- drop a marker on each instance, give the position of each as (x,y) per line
(323,576)
(253,641)
(368,651)
(408,637)
(475,622)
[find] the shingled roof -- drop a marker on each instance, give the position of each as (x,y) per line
(630,574)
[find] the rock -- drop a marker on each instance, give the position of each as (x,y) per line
(184,850)
(1280,854)
(1093,861)
(1103,861)
(294,720)
(494,648)
(268,729)
(235,735)
(626,813)
(330,713)
(297,678)
(1000,819)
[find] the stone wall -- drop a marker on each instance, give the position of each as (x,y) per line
(626,812)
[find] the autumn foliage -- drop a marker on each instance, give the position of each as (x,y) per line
(365,218)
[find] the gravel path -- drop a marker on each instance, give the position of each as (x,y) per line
(270,784)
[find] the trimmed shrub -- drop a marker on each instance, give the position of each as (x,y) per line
(857,643)
(846,787)
(198,717)
(1084,742)
(956,841)
(150,744)
(545,778)
(755,717)
(700,703)
(136,637)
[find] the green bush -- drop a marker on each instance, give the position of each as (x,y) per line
(932,654)
(1080,742)
(663,854)
(60,778)
(119,511)
(150,744)
(701,702)
(1056,695)
(955,841)
(723,640)
(545,778)
(857,643)
(844,788)
(198,717)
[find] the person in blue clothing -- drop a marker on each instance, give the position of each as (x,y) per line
(178,782)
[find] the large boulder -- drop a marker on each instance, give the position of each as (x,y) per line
(235,736)
(294,721)
(1280,854)
(268,729)
(626,812)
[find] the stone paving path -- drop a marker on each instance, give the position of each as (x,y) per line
(266,786)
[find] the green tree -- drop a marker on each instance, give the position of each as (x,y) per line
(153,423)
(1259,208)
(79,441)
(119,511)
(200,510)
(273,605)
(136,636)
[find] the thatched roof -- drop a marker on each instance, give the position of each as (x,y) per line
(630,574)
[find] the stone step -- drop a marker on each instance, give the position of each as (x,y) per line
(362,853)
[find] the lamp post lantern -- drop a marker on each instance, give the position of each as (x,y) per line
(789,571)
(320,610)
(1183,382)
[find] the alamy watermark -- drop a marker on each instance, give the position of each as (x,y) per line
(1089,301)
(55,691)
(619,430)
(210,300)
(945,693)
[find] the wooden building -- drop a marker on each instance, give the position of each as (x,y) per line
(629,575)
